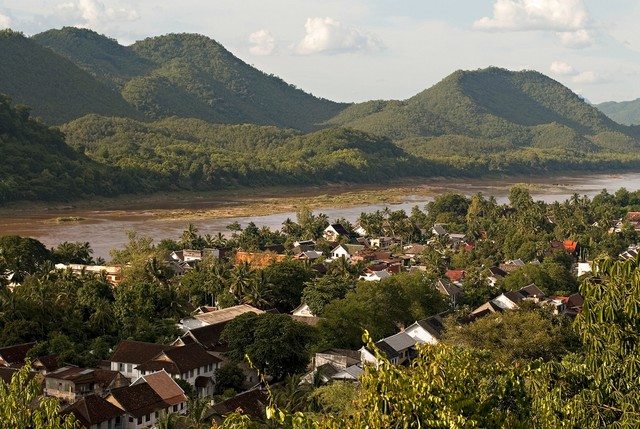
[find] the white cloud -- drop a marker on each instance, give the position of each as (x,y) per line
(326,35)
(576,39)
(94,13)
(517,15)
(569,19)
(263,43)
(5,21)
(586,77)
(562,69)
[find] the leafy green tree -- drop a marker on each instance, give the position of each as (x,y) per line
(229,376)
(287,281)
(275,343)
(22,406)
(323,290)
(22,256)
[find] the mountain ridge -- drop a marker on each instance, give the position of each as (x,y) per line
(624,112)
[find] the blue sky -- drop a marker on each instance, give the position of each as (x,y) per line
(355,50)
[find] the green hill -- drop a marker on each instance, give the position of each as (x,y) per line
(37,164)
(194,154)
(56,89)
(472,112)
(190,75)
(625,112)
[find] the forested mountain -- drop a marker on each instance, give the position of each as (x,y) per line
(189,75)
(491,110)
(625,112)
(194,154)
(36,163)
(54,87)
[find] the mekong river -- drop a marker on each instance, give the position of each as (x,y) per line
(105,229)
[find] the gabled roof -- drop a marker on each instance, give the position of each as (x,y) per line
(531,291)
(15,355)
(165,387)
(93,410)
(497,272)
(352,372)
(447,288)
(398,342)
(138,399)
(433,325)
(226,314)
(438,229)
(48,363)
(338,228)
(514,296)
(252,403)
(178,360)
(136,352)
(208,336)
(486,308)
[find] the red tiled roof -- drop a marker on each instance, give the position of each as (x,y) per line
(569,245)
(455,275)
(165,387)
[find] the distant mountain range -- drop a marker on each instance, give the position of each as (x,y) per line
(625,112)
(181,112)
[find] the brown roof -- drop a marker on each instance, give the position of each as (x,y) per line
(7,373)
(48,363)
(165,387)
(93,410)
(531,291)
(178,360)
(138,399)
(136,351)
(207,336)
(454,275)
(101,377)
(252,403)
(15,355)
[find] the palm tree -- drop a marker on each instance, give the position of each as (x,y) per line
(258,290)
(198,415)
(240,279)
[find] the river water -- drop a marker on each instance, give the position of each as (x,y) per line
(107,229)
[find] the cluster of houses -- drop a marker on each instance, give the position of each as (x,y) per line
(140,382)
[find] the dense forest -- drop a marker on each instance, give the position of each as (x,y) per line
(624,112)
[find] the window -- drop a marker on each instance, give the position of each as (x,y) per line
(175,408)
(147,417)
(130,419)
(139,420)
(156,414)
(198,371)
(121,367)
(190,373)
(129,367)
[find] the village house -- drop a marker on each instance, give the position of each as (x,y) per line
(302,246)
(450,290)
(333,365)
(129,354)
(95,412)
(381,242)
(334,232)
(510,301)
(190,255)
(375,276)
(309,255)
(426,331)
(71,383)
(148,399)
(455,276)
(258,259)
(252,403)
(346,251)
(494,275)
(113,274)
(190,363)
(398,348)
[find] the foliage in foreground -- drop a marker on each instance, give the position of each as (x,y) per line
(21,405)
(452,387)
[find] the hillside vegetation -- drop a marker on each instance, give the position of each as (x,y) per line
(491,110)
(36,163)
(55,88)
(189,75)
(625,112)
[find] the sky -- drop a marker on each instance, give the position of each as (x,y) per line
(357,50)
